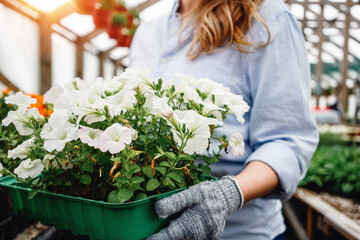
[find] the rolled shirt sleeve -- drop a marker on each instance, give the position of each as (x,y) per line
(282,130)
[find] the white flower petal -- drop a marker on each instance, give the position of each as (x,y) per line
(28,168)
(20,99)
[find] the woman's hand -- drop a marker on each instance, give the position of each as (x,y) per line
(206,207)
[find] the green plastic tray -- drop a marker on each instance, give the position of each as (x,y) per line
(96,219)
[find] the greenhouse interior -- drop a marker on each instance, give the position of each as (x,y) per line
(97,138)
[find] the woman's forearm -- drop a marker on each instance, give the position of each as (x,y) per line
(256,180)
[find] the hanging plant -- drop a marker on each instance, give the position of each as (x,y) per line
(119,21)
(125,39)
(102,13)
(120,6)
(84,6)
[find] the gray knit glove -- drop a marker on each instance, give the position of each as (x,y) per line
(207,206)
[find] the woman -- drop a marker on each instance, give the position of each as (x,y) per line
(256,48)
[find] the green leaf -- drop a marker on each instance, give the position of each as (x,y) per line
(113,197)
(170,155)
(124,195)
(181,184)
(165,164)
(134,168)
(168,182)
(142,137)
(122,179)
(137,179)
(68,184)
(186,157)
(85,179)
(175,176)
(347,187)
(33,193)
(205,169)
(58,181)
(147,171)
(152,184)
(116,159)
(194,175)
(140,196)
(161,170)
(87,167)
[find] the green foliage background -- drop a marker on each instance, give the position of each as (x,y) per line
(335,167)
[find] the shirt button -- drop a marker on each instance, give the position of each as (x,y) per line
(163,60)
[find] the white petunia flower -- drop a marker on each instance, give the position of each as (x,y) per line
(237,144)
(47,160)
(184,87)
(77,84)
(21,117)
(90,106)
(20,99)
(210,108)
(198,126)
(114,138)
(90,136)
(113,85)
(65,164)
(93,101)
(238,107)
(236,103)
(158,106)
(136,79)
(59,136)
(59,115)
(97,88)
(121,101)
(28,168)
(22,151)
(134,134)
(209,86)
(62,102)
(54,93)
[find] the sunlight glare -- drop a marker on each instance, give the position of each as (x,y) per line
(47,5)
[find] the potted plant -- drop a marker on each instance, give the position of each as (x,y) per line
(119,22)
(115,144)
(84,6)
(102,14)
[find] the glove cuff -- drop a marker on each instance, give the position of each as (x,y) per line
(238,188)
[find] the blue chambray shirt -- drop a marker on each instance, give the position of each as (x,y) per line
(279,129)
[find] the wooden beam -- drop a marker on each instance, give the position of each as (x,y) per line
(79,59)
(25,4)
(336,219)
(91,35)
(23,10)
(61,12)
(344,93)
(309,225)
(320,66)
(144,5)
(45,32)
(294,222)
(323,2)
(8,83)
(102,58)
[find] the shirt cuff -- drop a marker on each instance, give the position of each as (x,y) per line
(284,161)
